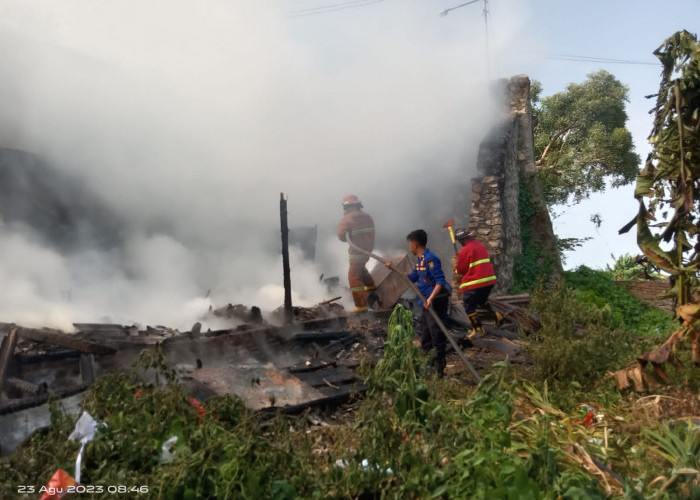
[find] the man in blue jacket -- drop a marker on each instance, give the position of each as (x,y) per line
(433,286)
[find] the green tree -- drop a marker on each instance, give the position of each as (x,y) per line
(580,139)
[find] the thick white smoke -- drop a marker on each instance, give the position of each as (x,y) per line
(189,118)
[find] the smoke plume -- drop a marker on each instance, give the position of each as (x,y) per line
(186,120)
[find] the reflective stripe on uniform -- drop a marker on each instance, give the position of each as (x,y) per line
(358,289)
(477,262)
(357,256)
(361,231)
(476,282)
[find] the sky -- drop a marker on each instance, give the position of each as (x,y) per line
(189,119)
(527,36)
(615,30)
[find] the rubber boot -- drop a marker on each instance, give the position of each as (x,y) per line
(499,319)
(477,328)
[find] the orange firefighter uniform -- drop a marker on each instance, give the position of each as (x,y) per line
(360,226)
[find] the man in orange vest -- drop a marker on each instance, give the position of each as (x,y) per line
(360,226)
(478,277)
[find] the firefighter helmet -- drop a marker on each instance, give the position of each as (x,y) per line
(463,234)
(351,200)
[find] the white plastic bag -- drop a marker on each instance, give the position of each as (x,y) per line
(166,456)
(85,429)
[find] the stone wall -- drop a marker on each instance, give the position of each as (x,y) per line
(505,161)
(649,292)
(486,216)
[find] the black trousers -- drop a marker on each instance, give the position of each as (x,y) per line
(431,334)
(475,298)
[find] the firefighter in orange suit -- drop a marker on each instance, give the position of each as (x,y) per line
(361,228)
(473,262)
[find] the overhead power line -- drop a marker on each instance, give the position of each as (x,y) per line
(325,9)
(446,11)
(485,12)
(577,58)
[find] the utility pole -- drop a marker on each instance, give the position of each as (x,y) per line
(485,12)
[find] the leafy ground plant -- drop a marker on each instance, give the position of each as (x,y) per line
(411,437)
(624,310)
(576,343)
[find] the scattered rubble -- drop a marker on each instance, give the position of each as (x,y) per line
(273,368)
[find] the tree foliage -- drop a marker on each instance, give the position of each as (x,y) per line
(628,267)
(580,139)
(670,179)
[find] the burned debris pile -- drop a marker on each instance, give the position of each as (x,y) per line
(270,365)
(283,367)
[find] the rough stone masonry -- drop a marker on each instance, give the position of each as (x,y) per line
(506,164)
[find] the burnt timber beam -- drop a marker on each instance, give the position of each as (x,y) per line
(88,368)
(25,388)
(65,340)
(336,399)
(22,404)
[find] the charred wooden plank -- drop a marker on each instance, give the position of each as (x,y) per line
(99,327)
(310,365)
(338,397)
(52,355)
(88,368)
(500,332)
(25,388)
(336,375)
(7,352)
(329,301)
(339,322)
(323,336)
(65,340)
(497,345)
(31,402)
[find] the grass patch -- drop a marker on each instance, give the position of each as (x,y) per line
(623,310)
(576,343)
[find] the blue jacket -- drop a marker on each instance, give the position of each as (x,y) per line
(428,273)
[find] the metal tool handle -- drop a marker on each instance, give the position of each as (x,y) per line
(435,316)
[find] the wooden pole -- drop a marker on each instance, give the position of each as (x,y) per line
(61,339)
(288,312)
(7,351)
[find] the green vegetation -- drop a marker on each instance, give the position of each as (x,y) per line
(411,437)
(668,188)
(576,342)
(533,264)
(627,267)
(590,328)
(622,310)
(581,140)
